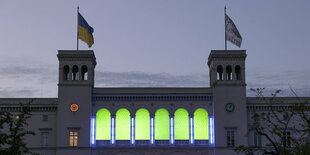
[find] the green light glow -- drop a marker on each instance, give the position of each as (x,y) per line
(201,127)
(103,125)
(142,124)
(122,125)
(162,124)
(181,126)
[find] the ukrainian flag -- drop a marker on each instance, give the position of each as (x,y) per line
(85,31)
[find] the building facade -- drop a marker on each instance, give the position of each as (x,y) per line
(85,119)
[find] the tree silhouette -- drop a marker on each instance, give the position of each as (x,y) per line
(285,129)
(13,132)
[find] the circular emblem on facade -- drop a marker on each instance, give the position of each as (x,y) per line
(230,107)
(74,107)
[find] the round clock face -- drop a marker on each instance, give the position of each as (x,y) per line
(230,107)
(74,107)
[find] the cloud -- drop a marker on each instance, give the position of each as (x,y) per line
(142,79)
(28,81)
(299,81)
(42,80)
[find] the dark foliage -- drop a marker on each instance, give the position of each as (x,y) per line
(274,124)
(13,131)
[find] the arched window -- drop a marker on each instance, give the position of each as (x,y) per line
(122,125)
(75,73)
(162,124)
(66,73)
(228,73)
(142,125)
(103,124)
(219,73)
(201,124)
(238,72)
(84,73)
(181,125)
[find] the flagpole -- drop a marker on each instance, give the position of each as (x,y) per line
(77,37)
(225,29)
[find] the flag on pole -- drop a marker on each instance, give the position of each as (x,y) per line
(85,31)
(232,33)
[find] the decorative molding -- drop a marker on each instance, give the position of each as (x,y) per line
(45,129)
(32,109)
(269,108)
(151,98)
(73,128)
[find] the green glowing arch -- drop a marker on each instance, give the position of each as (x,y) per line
(103,124)
(142,124)
(201,127)
(181,126)
(122,124)
(162,124)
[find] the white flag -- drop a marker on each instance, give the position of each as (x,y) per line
(232,33)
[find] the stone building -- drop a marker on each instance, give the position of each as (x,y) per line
(85,119)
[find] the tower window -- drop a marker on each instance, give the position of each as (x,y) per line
(73,139)
(257,140)
(238,72)
(219,73)
(45,118)
(287,140)
(75,73)
(228,73)
(84,73)
(66,72)
(44,139)
(230,135)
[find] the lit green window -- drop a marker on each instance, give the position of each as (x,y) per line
(103,125)
(181,126)
(142,126)
(122,125)
(201,124)
(162,124)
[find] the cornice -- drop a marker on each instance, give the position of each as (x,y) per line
(127,98)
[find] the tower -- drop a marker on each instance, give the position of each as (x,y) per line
(76,81)
(227,81)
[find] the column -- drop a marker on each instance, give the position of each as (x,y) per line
(224,73)
(233,73)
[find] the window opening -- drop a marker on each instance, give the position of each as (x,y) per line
(230,137)
(73,140)
(219,73)
(238,72)
(45,118)
(75,73)
(44,139)
(66,73)
(257,140)
(84,73)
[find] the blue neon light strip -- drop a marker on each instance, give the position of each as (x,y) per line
(113,132)
(171,131)
(132,130)
(191,131)
(211,130)
(152,130)
(92,131)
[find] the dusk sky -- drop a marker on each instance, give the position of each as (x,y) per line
(153,43)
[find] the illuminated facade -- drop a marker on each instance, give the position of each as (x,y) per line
(85,119)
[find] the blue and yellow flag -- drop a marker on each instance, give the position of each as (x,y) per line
(85,31)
